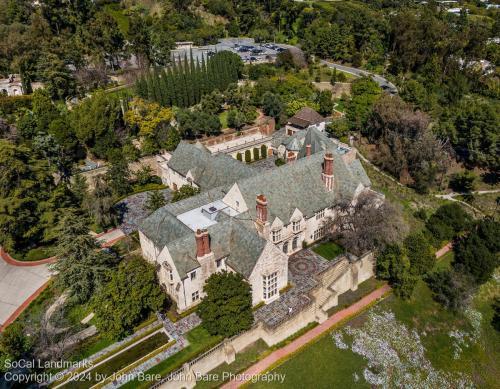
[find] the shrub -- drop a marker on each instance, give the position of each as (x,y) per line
(279,162)
(447,221)
(419,253)
(256,155)
(450,288)
(248,156)
(463,182)
(263,151)
(184,192)
(239,157)
(10,104)
(477,253)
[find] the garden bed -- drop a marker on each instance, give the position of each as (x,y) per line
(120,361)
(328,250)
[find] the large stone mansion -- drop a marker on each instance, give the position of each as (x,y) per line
(245,220)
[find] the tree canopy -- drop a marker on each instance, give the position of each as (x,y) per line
(227,308)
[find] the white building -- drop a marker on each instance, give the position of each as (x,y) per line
(250,225)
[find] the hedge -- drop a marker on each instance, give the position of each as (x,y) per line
(248,156)
(256,155)
(263,151)
(239,157)
(10,104)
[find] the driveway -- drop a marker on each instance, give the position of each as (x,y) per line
(381,81)
(19,285)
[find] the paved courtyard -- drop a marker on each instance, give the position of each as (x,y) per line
(17,285)
(302,269)
(132,210)
(265,164)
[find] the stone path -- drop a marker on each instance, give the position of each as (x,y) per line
(263,365)
(303,266)
(132,211)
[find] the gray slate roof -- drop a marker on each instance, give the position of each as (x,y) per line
(208,171)
(299,185)
(295,185)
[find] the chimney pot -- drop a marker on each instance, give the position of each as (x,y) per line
(261,208)
(327,175)
(202,243)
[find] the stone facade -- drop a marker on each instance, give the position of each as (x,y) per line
(336,280)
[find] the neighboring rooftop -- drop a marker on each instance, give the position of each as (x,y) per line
(305,118)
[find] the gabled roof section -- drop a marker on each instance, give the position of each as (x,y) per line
(306,117)
(235,239)
(208,171)
(299,185)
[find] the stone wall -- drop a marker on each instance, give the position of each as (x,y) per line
(331,283)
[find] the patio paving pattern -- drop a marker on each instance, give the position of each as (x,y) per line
(302,269)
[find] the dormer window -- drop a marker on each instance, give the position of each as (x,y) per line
(276,235)
(193,275)
(296,226)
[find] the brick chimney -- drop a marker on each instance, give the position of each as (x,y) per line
(202,243)
(290,157)
(308,150)
(261,208)
(327,175)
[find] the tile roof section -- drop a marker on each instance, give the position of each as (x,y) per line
(306,117)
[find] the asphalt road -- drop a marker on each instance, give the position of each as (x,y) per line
(384,83)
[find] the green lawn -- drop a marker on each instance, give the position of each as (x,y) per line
(319,366)
(223,119)
(199,341)
(323,365)
(328,250)
(121,361)
(243,360)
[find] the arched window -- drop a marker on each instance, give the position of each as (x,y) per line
(295,243)
(285,247)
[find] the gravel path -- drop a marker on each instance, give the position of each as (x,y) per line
(132,210)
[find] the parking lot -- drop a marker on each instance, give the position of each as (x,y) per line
(246,48)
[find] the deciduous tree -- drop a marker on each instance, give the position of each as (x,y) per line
(227,308)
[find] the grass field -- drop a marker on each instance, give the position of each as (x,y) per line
(243,360)
(328,250)
(323,365)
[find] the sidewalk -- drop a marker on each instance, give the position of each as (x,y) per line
(271,359)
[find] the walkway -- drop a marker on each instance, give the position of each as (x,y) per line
(381,81)
(20,284)
(266,363)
